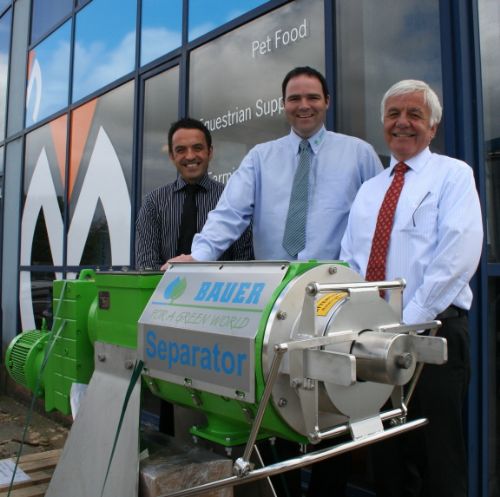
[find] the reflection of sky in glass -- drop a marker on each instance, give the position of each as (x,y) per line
(46,14)
(4,65)
(205,15)
(161,28)
(105,44)
(3,4)
(48,80)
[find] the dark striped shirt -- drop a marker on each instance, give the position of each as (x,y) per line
(158,223)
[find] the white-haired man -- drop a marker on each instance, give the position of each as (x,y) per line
(432,237)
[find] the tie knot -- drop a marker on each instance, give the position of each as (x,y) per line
(400,168)
(192,188)
(304,145)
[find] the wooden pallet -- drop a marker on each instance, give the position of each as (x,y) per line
(39,467)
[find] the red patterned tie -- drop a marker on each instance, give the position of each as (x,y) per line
(375,271)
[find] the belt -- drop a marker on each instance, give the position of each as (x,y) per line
(451,312)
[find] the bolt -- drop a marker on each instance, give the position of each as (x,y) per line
(332,270)
(282,402)
(281,315)
(129,364)
(296,383)
(101,357)
(404,361)
(311,289)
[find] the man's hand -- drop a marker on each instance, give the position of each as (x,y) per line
(179,258)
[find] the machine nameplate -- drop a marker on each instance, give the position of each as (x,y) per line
(201,323)
(223,364)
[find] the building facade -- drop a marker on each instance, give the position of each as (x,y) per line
(88,89)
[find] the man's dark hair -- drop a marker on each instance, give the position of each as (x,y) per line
(308,71)
(188,123)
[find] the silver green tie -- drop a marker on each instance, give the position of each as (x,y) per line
(294,238)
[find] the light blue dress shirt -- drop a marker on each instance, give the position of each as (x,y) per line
(259,191)
(437,235)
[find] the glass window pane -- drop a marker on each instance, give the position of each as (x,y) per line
(36,299)
(5,23)
(494,384)
(105,44)
(205,15)
(48,75)
(489,30)
(44,179)
(4,4)
(1,178)
(372,54)
(161,29)
(160,110)
(239,96)
(46,14)
(100,180)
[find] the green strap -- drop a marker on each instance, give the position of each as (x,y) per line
(133,380)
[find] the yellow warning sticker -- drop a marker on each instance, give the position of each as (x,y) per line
(325,304)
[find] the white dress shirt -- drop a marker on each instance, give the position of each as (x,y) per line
(437,235)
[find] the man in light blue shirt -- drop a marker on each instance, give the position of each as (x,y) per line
(259,191)
(435,245)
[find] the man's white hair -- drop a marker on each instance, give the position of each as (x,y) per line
(412,86)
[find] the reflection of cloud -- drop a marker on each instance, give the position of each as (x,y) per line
(49,80)
(158,41)
(55,75)
(374,54)
(217,86)
(489,20)
(201,29)
(4,67)
(4,64)
(245,79)
(97,65)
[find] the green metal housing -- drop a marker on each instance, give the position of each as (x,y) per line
(106,307)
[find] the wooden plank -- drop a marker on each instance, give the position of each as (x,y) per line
(41,464)
(39,467)
(33,491)
(39,456)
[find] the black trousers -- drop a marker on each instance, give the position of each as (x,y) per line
(431,461)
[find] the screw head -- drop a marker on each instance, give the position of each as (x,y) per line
(282,402)
(281,315)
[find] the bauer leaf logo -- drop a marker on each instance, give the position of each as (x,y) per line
(175,289)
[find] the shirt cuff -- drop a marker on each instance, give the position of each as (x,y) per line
(414,314)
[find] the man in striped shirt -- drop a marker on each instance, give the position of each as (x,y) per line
(158,227)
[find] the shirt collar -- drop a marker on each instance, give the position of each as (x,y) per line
(416,163)
(179,183)
(315,140)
